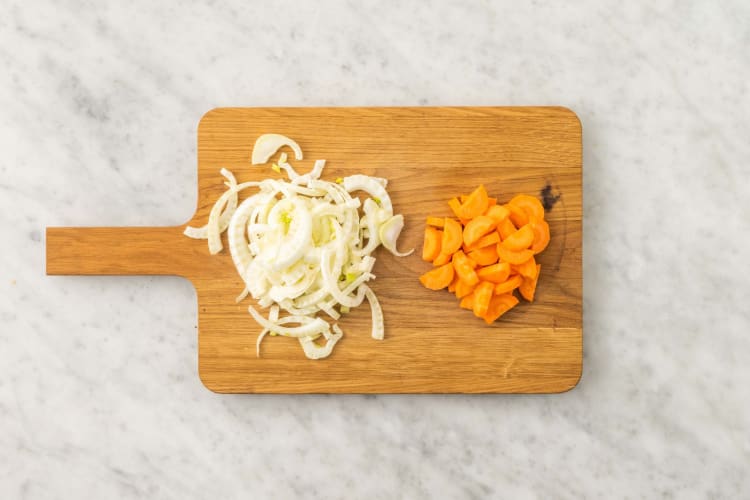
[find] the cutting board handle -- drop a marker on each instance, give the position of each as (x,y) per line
(119,251)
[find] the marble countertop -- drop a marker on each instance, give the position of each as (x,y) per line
(99,394)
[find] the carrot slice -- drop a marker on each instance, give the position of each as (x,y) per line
(520,240)
(541,234)
(528,287)
(463,289)
(499,305)
(484,256)
(475,204)
(509,285)
(496,273)
(438,278)
(431,248)
(455,206)
(485,241)
(435,221)
(452,236)
(467,302)
(441,259)
(452,286)
(491,202)
(512,257)
(517,215)
(526,269)
(478,227)
(498,213)
(529,204)
(482,295)
(464,267)
(506,227)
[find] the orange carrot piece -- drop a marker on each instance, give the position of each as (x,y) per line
(529,204)
(526,269)
(476,228)
(484,256)
(452,286)
(528,287)
(498,213)
(509,285)
(512,257)
(491,202)
(482,295)
(431,248)
(541,234)
(485,241)
(455,206)
(438,278)
(506,227)
(441,259)
(520,240)
(499,305)
(435,221)
(475,204)
(464,267)
(467,302)
(452,236)
(517,215)
(496,273)
(463,289)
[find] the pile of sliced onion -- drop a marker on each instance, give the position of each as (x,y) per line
(304,246)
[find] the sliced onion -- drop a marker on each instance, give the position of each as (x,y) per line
(389,232)
(299,246)
(267,144)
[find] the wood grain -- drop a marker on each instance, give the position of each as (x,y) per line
(428,155)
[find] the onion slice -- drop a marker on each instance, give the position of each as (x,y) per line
(267,144)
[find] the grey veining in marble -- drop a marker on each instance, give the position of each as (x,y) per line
(99,395)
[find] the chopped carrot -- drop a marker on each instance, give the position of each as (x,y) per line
(484,256)
(485,241)
(526,269)
(431,248)
(517,215)
(509,285)
(482,295)
(455,206)
(452,286)
(463,289)
(435,221)
(506,227)
(477,227)
(499,305)
(438,278)
(452,236)
(464,267)
(520,240)
(496,273)
(467,302)
(498,213)
(528,287)
(441,259)
(529,204)
(486,252)
(475,204)
(541,234)
(512,257)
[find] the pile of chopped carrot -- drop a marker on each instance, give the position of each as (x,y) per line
(486,252)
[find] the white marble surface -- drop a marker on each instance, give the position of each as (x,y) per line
(99,395)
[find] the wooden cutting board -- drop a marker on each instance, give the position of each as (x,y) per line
(429,155)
